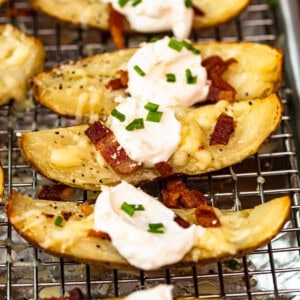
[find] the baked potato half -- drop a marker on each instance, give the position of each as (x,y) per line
(95,13)
(240,232)
(1,182)
(78,89)
(21,56)
(68,156)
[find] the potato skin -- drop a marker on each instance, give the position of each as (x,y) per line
(240,233)
(15,75)
(78,89)
(79,164)
(94,13)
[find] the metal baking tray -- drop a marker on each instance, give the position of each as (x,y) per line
(272,272)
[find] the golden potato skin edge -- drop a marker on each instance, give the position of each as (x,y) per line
(280,207)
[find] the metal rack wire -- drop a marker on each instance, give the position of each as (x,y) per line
(269,273)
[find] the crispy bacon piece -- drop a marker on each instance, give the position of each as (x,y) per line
(219,89)
(66,215)
(104,140)
(74,294)
(99,234)
(57,192)
(164,168)
(118,83)
(224,127)
(198,12)
(182,222)
(116,26)
(176,195)
(206,217)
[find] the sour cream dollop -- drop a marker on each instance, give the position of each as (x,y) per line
(157,16)
(130,235)
(160,292)
(154,143)
(158,59)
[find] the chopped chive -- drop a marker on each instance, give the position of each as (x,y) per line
(190,47)
(174,44)
(139,70)
(171,77)
(135,124)
(136,2)
(190,79)
(151,106)
(131,208)
(58,221)
(154,39)
(188,3)
(122,3)
(154,116)
(156,228)
(115,113)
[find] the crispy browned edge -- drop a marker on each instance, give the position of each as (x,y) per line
(196,25)
(37,96)
(125,265)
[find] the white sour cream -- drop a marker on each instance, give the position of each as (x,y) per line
(157,16)
(156,142)
(157,60)
(160,292)
(130,235)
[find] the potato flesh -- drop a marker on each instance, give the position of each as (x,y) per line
(254,123)
(240,232)
(78,89)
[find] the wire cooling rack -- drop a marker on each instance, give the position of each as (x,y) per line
(272,272)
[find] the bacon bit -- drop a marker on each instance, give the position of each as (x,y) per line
(116,26)
(198,11)
(99,234)
(50,216)
(74,294)
(182,222)
(86,209)
(67,215)
(118,83)
(20,12)
(164,168)
(224,127)
(57,192)
(104,140)
(219,89)
(177,194)
(206,216)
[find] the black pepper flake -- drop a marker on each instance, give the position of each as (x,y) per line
(100,180)
(91,169)
(56,132)
(82,175)
(246,94)
(73,180)
(60,86)
(54,207)
(250,102)
(80,216)
(98,246)
(81,87)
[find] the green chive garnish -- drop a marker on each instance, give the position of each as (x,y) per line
(121,117)
(190,79)
(154,116)
(131,208)
(174,44)
(171,77)
(139,70)
(188,3)
(135,124)
(58,221)
(154,39)
(151,106)
(190,47)
(122,2)
(156,228)
(136,2)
